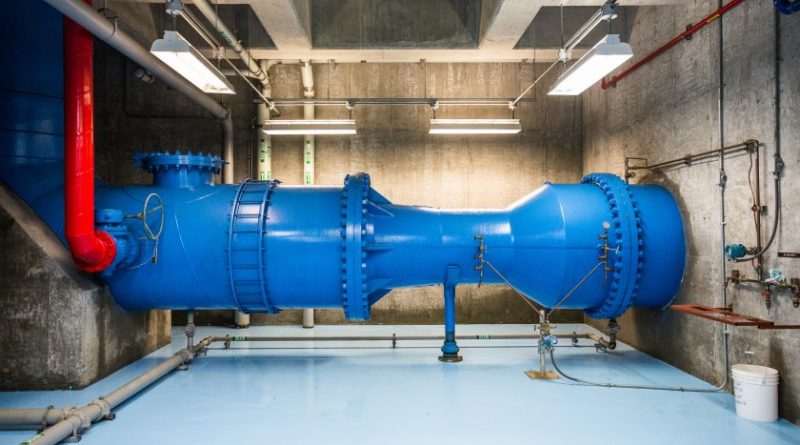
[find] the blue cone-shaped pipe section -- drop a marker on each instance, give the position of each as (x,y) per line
(262,246)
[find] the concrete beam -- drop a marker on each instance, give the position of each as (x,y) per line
(288,22)
(502,27)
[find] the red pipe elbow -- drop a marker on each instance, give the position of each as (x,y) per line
(92,250)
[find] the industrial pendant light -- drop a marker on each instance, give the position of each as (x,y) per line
(284,127)
(599,61)
(187,61)
(475,126)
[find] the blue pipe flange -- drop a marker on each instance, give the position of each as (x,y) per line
(787,6)
(355,195)
(155,161)
(246,248)
(625,242)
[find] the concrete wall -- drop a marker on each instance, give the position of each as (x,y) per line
(669,109)
(60,328)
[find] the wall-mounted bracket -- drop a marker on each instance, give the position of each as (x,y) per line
(727,316)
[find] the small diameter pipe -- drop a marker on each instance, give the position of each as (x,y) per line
(78,419)
(688,159)
(92,250)
(229,38)
(612,82)
(779,164)
(30,418)
(256,338)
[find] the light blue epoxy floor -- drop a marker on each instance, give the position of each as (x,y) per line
(274,393)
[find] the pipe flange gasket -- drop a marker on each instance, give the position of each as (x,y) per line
(246,246)
(625,242)
(355,195)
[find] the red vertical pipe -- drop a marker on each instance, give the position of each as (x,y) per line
(92,250)
(612,82)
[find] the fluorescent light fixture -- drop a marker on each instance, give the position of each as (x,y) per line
(604,58)
(310,126)
(475,126)
(184,58)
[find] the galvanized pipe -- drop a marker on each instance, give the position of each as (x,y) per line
(229,38)
(30,418)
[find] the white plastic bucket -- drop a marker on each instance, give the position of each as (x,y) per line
(756,391)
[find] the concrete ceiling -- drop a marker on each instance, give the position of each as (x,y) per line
(413,30)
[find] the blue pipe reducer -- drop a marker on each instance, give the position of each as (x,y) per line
(260,246)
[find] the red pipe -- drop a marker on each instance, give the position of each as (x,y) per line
(92,250)
(612,82)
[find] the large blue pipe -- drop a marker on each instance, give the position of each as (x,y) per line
(263,246)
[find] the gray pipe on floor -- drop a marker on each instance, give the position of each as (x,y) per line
(68,421)
(29,418)
(74,420)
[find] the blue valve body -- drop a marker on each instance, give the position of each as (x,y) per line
(735,251)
